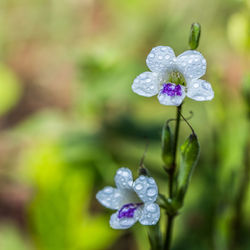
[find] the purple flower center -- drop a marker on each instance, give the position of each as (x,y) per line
(171,89)
(128,210)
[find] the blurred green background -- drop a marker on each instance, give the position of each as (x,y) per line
(69,120)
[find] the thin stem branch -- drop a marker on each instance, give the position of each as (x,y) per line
(170,218)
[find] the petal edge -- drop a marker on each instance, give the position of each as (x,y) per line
(110,197)
(147,84)
(200,90)
(146,188)
(150,214)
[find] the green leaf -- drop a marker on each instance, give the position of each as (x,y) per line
(167,145)
(194,36)
(189,156)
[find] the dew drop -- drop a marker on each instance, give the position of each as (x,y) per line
(125,173)
(151,208)
(151,192)
(151,181)
(125,222)
(108,190)
(138,187)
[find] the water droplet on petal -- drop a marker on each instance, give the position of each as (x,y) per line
(138,187)
(125,173)
(151,192)
(151,181)
(151,208)
(108,190)
(124,222)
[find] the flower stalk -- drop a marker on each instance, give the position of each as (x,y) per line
(172,79)
(171,174)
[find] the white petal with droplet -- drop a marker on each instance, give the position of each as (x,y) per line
(150,214)
(147,84)
(160,59)
(124,178)
(172,100)
(200,90)
(191,64)
(148,190)
(110,197)
(124,223)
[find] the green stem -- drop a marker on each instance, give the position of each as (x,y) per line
(170,221)
(170,218)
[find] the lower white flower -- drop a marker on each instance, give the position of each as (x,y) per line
(134,201)
(169,74)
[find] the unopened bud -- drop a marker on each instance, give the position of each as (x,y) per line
(194,36)
(167,140)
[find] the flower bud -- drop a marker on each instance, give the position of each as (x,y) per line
(189,155)
(194,36)
(167,140)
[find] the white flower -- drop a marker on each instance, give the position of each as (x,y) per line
(133,200)
(190,65)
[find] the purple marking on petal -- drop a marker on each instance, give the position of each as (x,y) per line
(128,210)
(171,89)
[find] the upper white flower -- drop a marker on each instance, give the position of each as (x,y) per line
(190,65)
(133,200)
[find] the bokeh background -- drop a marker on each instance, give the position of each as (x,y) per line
(69,120)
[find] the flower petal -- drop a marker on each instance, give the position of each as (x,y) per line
(175,100)
(124,178)
(146,188)
(124,223)
(147,84)
(191,64)
(160,59)
(150,214)
(110,197)
(200,90)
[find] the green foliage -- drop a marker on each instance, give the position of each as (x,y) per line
(10,89)
(11,238)
(59,213)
